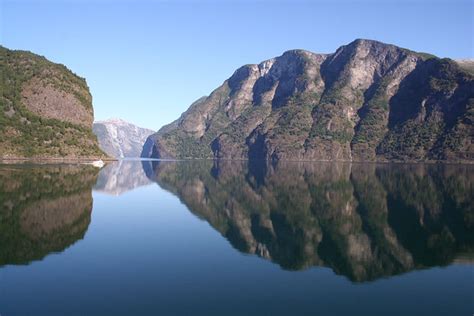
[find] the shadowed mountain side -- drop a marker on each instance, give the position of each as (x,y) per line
(43,210)
(121,176)
(367,101)
(362,221)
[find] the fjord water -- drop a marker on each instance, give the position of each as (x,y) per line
(236,238)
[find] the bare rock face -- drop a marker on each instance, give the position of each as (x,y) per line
(44,99)
(466,64)
(45,110)
(120,139)
(367,101)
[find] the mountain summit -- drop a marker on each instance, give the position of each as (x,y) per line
(367,101)
(119,138)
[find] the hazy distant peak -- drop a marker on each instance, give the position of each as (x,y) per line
(120,138)
(113,120)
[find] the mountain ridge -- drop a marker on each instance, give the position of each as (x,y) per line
(366,101)
(119,138)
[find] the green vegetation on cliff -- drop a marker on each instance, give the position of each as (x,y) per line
(368,101)
(59,126)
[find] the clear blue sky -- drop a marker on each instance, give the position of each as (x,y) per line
(147,61)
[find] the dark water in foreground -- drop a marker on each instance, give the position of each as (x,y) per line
(228,238)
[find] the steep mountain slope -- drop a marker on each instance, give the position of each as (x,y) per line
(367,101)
(121,139)
(45,110)
(466,64)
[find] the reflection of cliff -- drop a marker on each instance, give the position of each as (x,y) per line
(363,221)
(42,210)
(121,176)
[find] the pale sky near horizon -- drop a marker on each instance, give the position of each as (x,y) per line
(147,61)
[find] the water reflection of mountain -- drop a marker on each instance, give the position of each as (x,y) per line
(121,176)
(362,221)
(43,209)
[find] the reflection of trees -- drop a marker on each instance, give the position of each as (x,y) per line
(43,209)
(363,221)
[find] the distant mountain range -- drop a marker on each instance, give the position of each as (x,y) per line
(368,101)
(120,139)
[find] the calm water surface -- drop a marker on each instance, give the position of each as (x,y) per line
(233,238)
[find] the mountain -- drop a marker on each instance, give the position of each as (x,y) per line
(121,139)
(45,110)
(364,221)
(366,101)
(121,176)
(466,64)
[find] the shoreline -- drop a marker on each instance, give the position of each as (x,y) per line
(54,160)
(431,162)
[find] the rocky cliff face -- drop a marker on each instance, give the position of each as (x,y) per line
(466,64)
(367,101)
(121,139)
(45,110)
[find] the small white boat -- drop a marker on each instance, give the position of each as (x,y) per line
(98,163)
